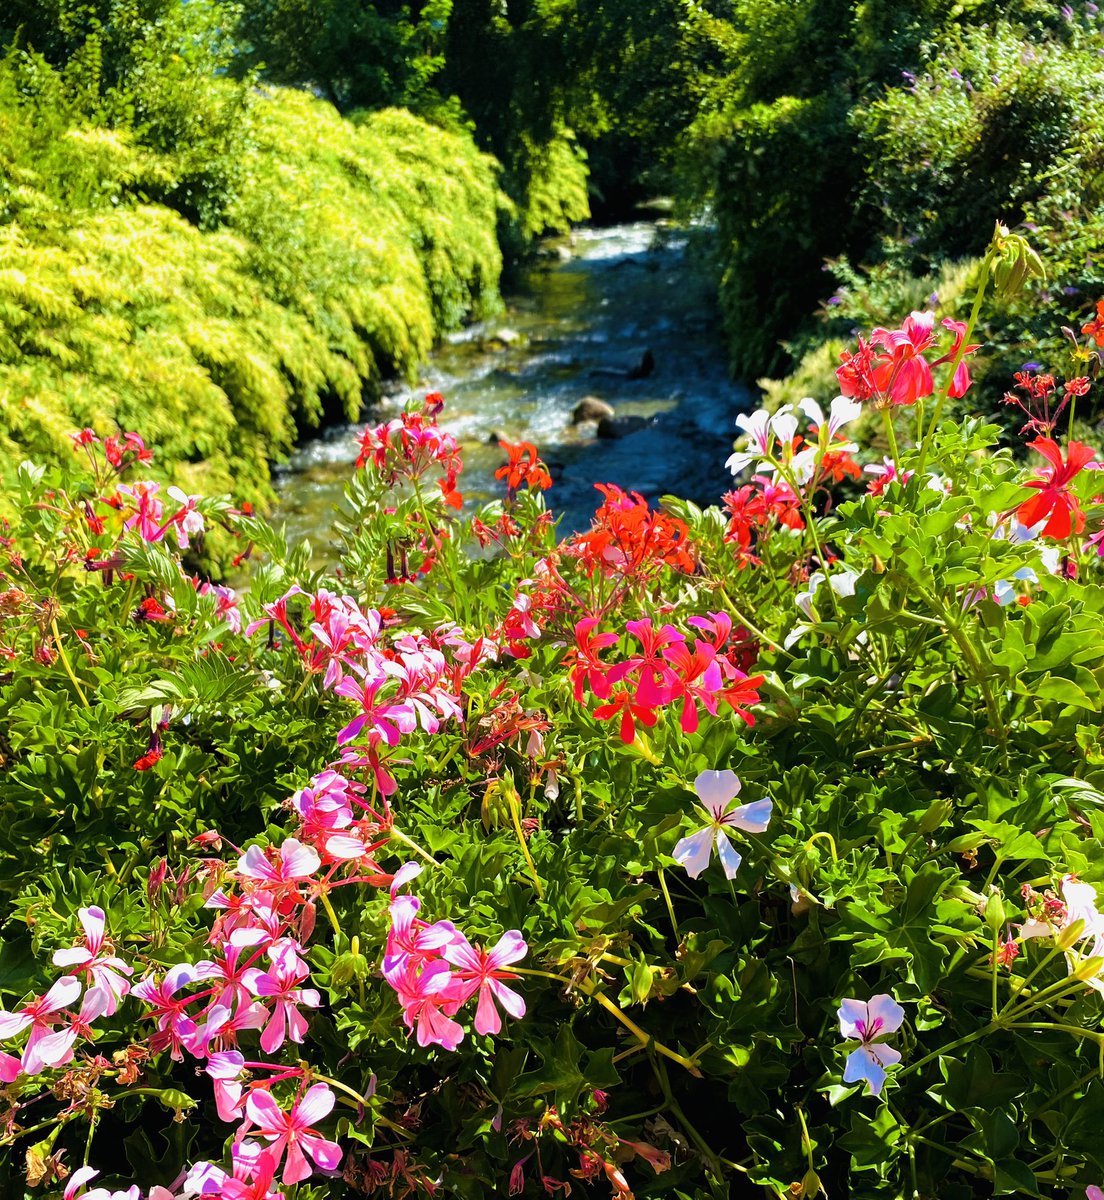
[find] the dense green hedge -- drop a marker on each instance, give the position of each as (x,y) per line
(345,247)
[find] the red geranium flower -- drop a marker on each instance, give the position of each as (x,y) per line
(1053,502)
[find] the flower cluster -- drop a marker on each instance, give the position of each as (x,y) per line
(524,469)
(435,971)
(664,669)
(398,686)
(628,539)
(52,1021)
(899,373)
(408,446)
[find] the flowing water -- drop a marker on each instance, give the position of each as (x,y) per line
(579,321)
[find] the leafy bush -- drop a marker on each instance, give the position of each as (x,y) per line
(888,134)
(346,250)
(777,830)
(982,125)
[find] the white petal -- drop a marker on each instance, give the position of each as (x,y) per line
(693,852)
(728,854)
(716,790)
(751,818)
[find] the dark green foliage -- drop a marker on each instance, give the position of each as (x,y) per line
(930,120)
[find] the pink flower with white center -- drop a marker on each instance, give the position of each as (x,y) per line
(1092,1192)
(296,862)
(281,983)
(428,995)
(56,1049)
(867,1022)
(105,971)
(717,790)
(40,1016)
(293,1131)
(482,971)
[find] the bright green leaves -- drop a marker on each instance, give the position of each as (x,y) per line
(917,929)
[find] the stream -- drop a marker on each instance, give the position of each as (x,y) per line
(579,320)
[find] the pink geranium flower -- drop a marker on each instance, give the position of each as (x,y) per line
(482,971)
(56,1049)
(295,862)
(428,995)
(293,1131)
(281,983)
(105,971)
(39,1016)
(868,1022)
(717,790)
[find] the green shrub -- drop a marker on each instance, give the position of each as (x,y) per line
(345,251)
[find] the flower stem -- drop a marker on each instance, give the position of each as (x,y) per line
(65,662)
(398,835)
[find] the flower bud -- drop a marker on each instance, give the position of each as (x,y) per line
(1070,936)
(994,912)
(1088,968)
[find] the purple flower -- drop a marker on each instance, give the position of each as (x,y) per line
(867,1022)
(716,791)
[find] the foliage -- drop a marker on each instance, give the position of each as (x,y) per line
(346,250)
(906,683)
(912,124)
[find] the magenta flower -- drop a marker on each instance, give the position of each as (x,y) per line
(482,971)
(281,983)
(867,1022)
(716,790)
(104,970)
(293,1131)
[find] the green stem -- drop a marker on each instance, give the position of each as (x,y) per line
(592,991)
(891,437)
(514,804)
(670,907)
(726,599)
(65,662)
(399,836)
(325,901)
